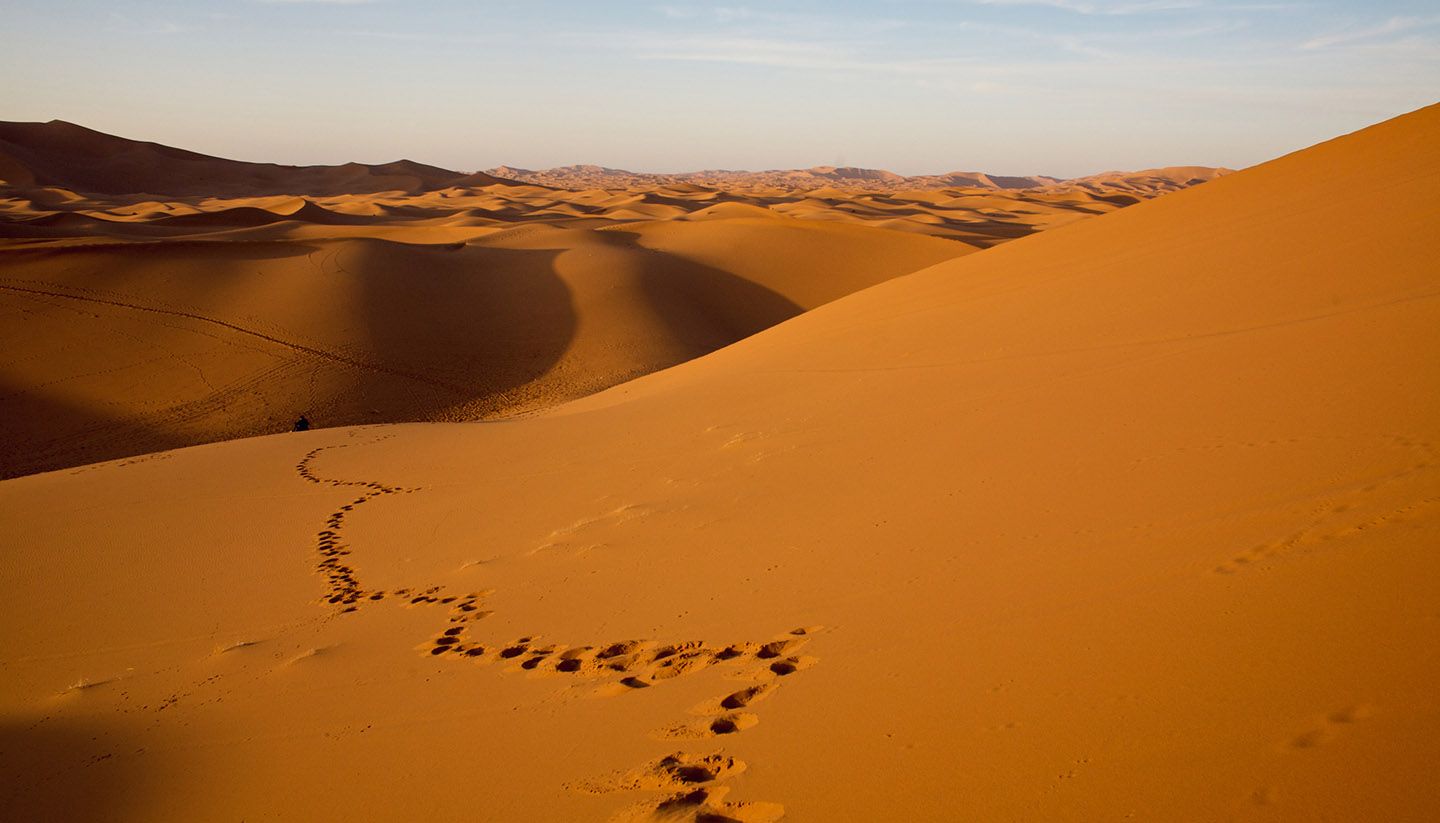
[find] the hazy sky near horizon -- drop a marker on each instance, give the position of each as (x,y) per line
(1061,87)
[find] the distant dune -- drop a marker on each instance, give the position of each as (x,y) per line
(1132,520)
(83,160)
(1149,182)
(66,156)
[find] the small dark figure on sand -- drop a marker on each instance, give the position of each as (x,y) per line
(303,424)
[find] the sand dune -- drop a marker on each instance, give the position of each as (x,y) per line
(120,350)
(1130,520)
(74,157)
(232,297)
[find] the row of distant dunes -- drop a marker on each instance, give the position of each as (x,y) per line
(158,297)
(1148,182)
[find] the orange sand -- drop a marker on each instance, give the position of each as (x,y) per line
(1130,520)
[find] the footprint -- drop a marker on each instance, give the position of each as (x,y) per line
(621,649)
(703,805)
(777,648)
(682,769)
(791,665)
(745,697)
(678,770)
(1311,739)
(730,723)
(734,650)
(1352,714)
(1334,722)
(682,663)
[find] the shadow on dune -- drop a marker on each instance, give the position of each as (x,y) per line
(368,331)
(467,324)
(47,433)
(705,307)
(66,771)
(346,332)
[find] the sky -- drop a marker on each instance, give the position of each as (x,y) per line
(1058,87)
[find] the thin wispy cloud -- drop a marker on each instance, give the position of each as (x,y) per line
(721,14)
(773,21)
(422,37)
(1394,25)
(856,55)
(1100,8)
(318,2)
(1124,8)
(751,51)
(148,27)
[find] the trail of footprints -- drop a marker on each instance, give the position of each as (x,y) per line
(1337,518)
(345,589)
(693,785)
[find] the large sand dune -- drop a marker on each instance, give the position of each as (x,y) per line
(73,157)
(1131,520)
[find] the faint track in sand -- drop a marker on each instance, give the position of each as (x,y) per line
(323,354)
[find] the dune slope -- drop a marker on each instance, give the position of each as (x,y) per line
(1131,519)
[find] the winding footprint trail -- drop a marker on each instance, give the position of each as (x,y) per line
(692,785)
(1341,512)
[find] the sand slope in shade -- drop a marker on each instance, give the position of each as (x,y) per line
(1134,519)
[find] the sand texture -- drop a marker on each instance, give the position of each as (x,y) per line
(1132,519)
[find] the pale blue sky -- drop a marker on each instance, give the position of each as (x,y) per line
(1063,87)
